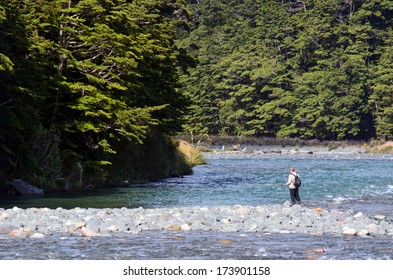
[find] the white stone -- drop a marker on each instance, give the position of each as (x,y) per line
(88,218)
(380,217)
(79,225)
(37,235)
(273,214)
(112,228)
(226,221)
(253,228)
(185,227)
(349,231)
(317,233)
(363,233)
(241,211)
(358,215)
(88,232)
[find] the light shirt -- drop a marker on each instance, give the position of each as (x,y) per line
(291,180)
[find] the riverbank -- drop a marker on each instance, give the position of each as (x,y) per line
(290,150)
(171,158)
(266,219)
(209,143)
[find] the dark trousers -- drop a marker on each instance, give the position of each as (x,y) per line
(295,196)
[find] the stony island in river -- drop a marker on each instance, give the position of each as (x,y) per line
(266,219)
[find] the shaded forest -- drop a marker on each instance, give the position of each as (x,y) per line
(315,69)
(89,91)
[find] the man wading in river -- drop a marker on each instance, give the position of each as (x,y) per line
(294,184)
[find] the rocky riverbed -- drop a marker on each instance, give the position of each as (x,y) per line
(266,219)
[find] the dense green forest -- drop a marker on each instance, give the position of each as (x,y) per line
(89,90)
(313,69)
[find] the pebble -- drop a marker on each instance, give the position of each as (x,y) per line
(265,219)
(79,225)
(37,235)
(18,233)
(185,227)
(380,217)
(363,233)
(349,231)
(86,232)
(359,216)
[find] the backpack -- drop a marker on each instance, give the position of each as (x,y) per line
(298,182)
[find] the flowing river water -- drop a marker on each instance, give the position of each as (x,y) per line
(342,180)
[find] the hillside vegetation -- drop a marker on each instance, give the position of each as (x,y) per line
(313,69)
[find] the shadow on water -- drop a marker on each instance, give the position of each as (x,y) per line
(102,198)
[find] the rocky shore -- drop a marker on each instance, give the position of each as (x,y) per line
(266,219)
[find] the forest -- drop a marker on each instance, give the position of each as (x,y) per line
(92,91)
(89,91)
(313,69)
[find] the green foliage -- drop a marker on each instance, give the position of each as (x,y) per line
(101,74)
(382,98)
(5,63)
(309,69)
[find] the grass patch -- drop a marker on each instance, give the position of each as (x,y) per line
(192,154)
(377,147)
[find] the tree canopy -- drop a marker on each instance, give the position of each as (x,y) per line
(81,80)
(310,69)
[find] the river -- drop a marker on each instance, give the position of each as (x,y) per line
(341,180)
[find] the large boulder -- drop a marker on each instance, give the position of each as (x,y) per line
(26,189)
